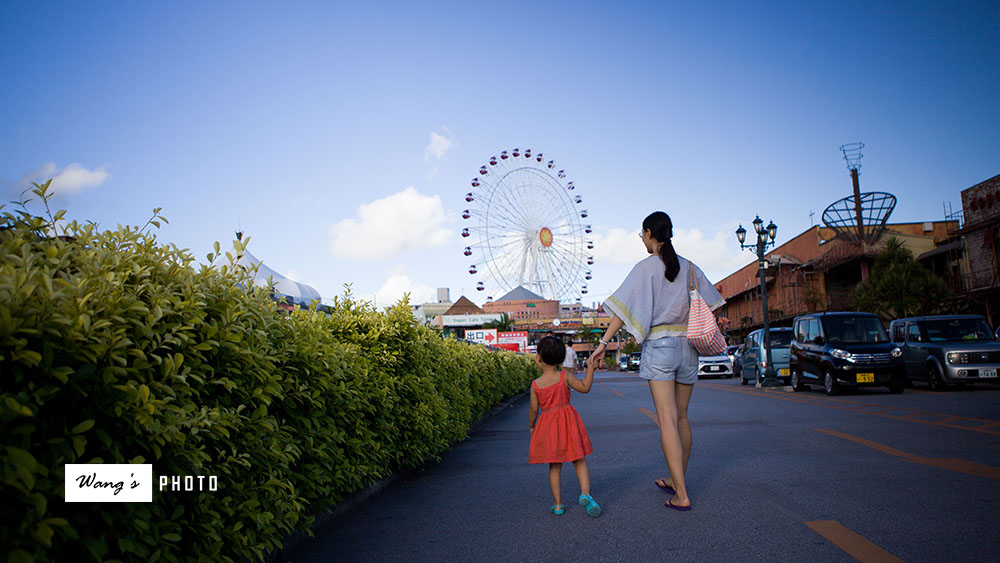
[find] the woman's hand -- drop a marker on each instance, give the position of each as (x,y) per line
(598,354)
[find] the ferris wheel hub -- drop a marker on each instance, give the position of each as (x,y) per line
(545,236)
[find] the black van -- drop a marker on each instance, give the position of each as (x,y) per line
(844,350)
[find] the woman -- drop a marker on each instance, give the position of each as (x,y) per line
(652,304)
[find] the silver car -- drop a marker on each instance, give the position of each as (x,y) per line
(947,349)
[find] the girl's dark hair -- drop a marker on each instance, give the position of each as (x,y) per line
(551,350)
(659,226)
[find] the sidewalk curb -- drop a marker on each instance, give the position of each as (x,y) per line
(354,500)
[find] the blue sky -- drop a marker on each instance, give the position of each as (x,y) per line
(342,136)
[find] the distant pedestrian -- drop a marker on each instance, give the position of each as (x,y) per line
(569,364)
(558,434)
(653,304)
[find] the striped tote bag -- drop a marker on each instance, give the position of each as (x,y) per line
(703,331)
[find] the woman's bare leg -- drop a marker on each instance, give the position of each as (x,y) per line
(683,397)
(682,394)
(664,399)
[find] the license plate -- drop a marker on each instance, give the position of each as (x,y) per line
(988,372)
(784,372)
(866,378)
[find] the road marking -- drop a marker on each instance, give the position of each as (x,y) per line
(854,544)
(894,413)
(651,415)
(616,392)
(949,463)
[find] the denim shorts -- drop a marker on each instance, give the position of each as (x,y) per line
(668,359)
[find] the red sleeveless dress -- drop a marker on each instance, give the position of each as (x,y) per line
(559,434)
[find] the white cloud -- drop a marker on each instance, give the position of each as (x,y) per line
(618,246)
(69,180)
(439,145)
(404,221)
(718,255)
(398,284)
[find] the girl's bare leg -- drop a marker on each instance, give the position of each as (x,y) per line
(670,440)
(582,475)
(554,470)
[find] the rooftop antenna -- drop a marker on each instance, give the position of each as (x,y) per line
(852,156)
(812,214)
(859,218)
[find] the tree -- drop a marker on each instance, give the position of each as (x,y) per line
(505,324)
(899,286)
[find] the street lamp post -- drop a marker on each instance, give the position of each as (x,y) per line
(765,238)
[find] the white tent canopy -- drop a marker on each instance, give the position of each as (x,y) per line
(299,292)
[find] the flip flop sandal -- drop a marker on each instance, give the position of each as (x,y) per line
(665,486)
(557,509)
(593,509)
(669,504)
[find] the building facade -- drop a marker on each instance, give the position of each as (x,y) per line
(523,305)
(815,271)
(971,264)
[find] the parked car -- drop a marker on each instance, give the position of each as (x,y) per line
(731,352)
(738,361)
(623,363)
(633,361)
(754,356)
(715,366)
(844,350)
(947,349)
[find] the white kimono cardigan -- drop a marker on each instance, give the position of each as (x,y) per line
(653,307)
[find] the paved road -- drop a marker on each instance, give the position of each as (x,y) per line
(775,476)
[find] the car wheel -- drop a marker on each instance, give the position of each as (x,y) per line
(934,382)
(830,383)
(797,384)
(756,375)
(896,388)
(743,380)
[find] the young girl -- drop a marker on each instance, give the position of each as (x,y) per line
(558,435)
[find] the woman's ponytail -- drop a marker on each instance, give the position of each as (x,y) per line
(669,257)
(660,228)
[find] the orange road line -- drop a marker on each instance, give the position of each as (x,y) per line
(651,415)
(854,544)
(949,463)
(617,393)
(842,404)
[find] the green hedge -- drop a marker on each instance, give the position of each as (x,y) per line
(115,348)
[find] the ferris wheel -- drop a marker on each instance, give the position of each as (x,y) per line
(526,228)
